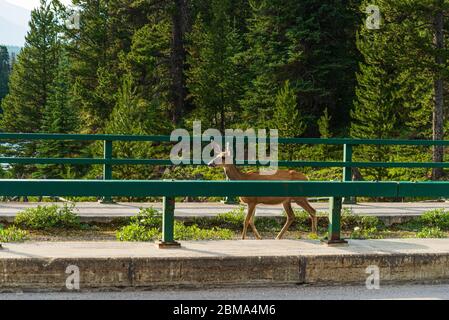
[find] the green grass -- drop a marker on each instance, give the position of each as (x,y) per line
(147,225)
(431,232)
(48,217)
(432,223)
(13,234)
(135,232)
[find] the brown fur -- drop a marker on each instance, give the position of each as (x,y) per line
(233,173)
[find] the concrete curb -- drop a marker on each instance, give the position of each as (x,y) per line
(49,274)
(197,266)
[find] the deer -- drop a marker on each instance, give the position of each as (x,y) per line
(233,173)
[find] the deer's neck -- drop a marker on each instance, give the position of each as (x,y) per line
(233,173)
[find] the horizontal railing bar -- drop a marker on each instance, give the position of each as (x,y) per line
(164,138)
(355,142)
(81,137)
(163,162)
(172,188)
(79,161)
(138,188)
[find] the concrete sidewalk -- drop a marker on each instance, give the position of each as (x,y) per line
(107,265)
(389,212)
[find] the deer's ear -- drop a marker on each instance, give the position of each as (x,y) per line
(216,147)
(228,149)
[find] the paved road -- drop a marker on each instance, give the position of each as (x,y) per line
(433,292)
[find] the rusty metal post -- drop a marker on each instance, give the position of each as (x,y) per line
(334,231)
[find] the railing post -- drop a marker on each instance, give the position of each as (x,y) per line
(334,231)
(107,168)
(168,224)
(347,171)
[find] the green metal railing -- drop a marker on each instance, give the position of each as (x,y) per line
(170,189)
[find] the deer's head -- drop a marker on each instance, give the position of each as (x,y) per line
(221,156)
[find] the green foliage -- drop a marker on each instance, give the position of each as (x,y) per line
(147,225)
(286,116)
(232,219)
(350,221)
(300,42)
(431,232)
(215,76)
(148,218)
(431,219)
(30,82)
(436,218)
(302,220)
(194,232)
(134,115)
(93,64)
(313,236)
(396,83)
(48,217)
(365,233)
(59,116)
(138,67)
(135,232)
(5,68)
(13,234)
(287,120)
(324,151)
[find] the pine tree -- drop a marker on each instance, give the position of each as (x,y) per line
(214,76)
(92,64)
(405,68)
(310,43)
(4,72)
(286,118)
(135,116)
(375,113)
(59,117)
(147,63)
(325,133)
(31,80)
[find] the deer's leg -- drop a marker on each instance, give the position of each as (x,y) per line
(290,219)
(251,210)
(310,210)
(253,227)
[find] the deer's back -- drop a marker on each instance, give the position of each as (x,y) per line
(279,175)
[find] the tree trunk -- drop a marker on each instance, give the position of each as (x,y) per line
(180,18)
(438,115)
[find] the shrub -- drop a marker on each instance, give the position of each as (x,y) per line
(13,234)
(135,232)
(431,232)
(365,233)
(349,221)
(194,232)
(430,219)
(313,236)
(47,217)
(232,219)
(148,217)
(302,220)
(147,226)
(435,218)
